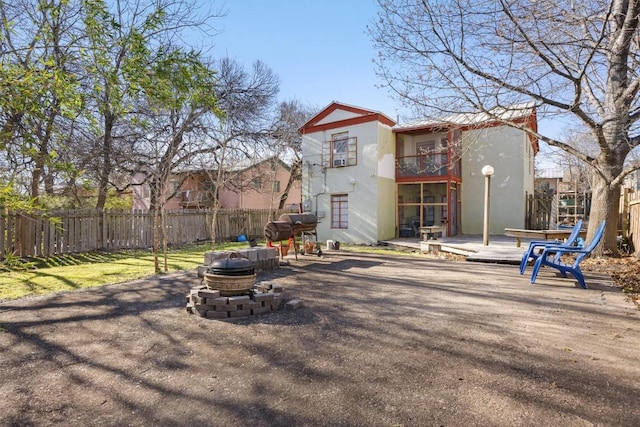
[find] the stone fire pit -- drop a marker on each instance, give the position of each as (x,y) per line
(263,298)
(229,288)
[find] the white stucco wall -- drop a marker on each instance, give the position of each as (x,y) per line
(386,178)
(369,217)
(505,149)
(337,115)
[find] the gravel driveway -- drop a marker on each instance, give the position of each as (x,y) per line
(381,341)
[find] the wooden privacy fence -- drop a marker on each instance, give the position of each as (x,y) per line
(539,212)
(68,231)
(633,233)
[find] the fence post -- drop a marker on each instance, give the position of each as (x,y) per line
(529,211)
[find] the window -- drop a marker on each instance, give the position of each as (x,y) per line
(210,191)
(340,151)
(456,152)
(174,186)
(340,147)
(276,186)
(256,182)
(433,157)
(339,211)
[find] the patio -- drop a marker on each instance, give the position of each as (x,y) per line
(381,340)
(501,249)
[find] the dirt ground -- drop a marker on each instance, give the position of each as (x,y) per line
(381,341)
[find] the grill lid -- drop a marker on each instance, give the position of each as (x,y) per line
(231,264)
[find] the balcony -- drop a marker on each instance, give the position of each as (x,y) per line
(426,166)
(195,199)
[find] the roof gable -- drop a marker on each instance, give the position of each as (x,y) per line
(338,114)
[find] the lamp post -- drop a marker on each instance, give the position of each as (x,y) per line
(487,171)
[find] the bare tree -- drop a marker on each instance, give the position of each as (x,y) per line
(577,61)
(177,103)
(291,115)
(245,99)
(576,170)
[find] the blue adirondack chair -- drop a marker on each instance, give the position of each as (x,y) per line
(551,254)
(536,245)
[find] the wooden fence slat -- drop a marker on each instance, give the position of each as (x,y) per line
(3,228)
(634,221)
(67,231)
(39,226)
(11,244)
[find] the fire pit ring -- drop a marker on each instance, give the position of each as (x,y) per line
(231,274)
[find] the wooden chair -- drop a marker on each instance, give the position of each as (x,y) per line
(551,256)
(535,247)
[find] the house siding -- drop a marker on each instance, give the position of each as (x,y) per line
(371,205)
(263,197)
(502,148)
(242,197)
(385,174)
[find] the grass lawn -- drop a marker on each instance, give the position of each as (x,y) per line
(68,272)
(42,276)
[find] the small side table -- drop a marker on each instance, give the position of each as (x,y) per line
(429,231)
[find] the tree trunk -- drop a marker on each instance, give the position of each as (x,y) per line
(103,182)
(214,225)
(156,240)
(165,238)
(295,174)
(49,183)
(605,206)
(35,179)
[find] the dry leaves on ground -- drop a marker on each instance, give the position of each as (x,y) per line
(625,272)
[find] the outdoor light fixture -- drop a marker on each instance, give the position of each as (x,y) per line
(487,171)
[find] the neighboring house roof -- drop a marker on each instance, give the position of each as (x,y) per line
(253,163)
(550,173)
(360,115)
(239,166)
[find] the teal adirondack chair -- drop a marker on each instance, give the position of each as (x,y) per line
(536,245)
(551,257)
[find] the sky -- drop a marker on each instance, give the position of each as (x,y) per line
(319,49)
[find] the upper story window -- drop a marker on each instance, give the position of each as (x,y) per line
(146,190)
(174,185)
(256,183)
(340,151)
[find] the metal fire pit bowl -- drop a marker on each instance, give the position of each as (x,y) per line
(231,274)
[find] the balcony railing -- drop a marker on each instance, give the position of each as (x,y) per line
(426,165)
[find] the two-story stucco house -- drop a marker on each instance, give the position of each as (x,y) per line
(369,179)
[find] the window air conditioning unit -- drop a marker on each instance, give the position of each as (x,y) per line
(337,163)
